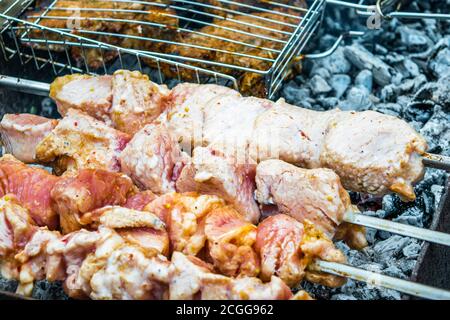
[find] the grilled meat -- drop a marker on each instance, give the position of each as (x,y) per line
(248,41)
(108,22)
(238,42)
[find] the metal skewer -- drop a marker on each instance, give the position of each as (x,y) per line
(398,228)
(380,280)
(436,161)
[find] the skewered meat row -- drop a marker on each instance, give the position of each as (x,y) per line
(371,152)
(125,258)
(208,172)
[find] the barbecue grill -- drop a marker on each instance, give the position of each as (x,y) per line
(19,43)
(32,42)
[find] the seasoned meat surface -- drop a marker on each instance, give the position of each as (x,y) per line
(136,101)
(153,159)
(89,189)
(82,142)
(210,172)
(251,40)
(91,95)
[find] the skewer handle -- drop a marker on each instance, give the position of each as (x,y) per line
(380,280)
(436,161)
(398,228)
(26,86)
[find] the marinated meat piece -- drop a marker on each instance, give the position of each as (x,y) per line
(38,261)
(81,142)
(127,100)
(21,133)
(291,134)
(286,248)
(191,278)
(304,194)
(140,200)
(16,229)
(88,190)
(137,227)
(184,216)
(225,131)
(278,243)
(382,155)
(32,187)
(136,101)
(127,274)
(91,95)
(186,112)
(153,159)
(309,139)
(230,243)
(102,264)
(210,172)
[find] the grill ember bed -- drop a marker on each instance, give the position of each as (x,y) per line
(138,59)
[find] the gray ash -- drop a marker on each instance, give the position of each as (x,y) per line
(401,70)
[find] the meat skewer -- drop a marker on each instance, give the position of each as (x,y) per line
(210,174)
(82,259)
(316,194)
(182,97)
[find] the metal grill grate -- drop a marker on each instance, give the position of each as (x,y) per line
(204,41)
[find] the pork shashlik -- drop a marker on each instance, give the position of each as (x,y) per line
(155,162)
(371,152)
(125,253)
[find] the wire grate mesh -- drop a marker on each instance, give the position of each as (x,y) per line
(247,45)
